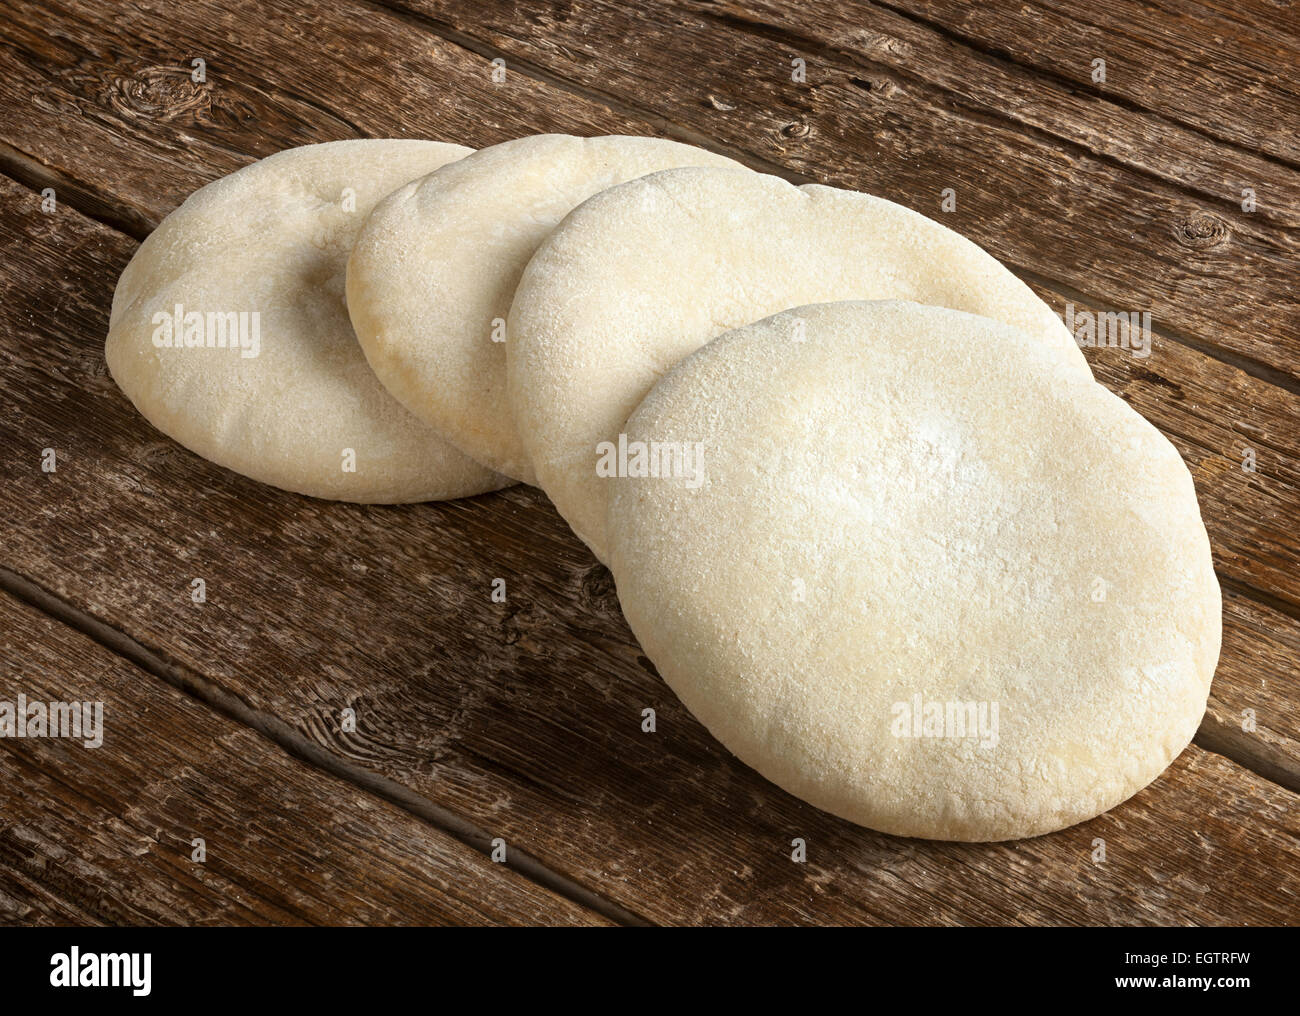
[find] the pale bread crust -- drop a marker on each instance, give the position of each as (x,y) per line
(644,273)
(274,237)
(438,261)
(948,491)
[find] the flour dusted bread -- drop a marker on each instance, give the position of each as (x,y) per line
(229,331)
(644,273)
(433,272)
(929,577)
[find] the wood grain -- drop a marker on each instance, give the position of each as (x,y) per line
(107,105)
(1055,202)
(1219,73)
(105,835)
(524,717)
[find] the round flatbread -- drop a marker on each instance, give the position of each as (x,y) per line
(433,272)
(230,333)
(930,577)
(644,273)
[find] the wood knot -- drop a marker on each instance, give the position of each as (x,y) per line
(160,93)
(795,129)
(596,591)
(518,618)
(1202,231)
(877,88)
(160,454)
(90,365)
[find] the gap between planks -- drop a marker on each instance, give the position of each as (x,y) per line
(991,53)
(817,47)
(33,174)
(198,687)
(1254,368)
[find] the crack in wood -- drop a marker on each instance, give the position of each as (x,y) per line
(36,176)
(1247,365)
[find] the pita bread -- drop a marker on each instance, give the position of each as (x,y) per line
(931,577)
(282,394)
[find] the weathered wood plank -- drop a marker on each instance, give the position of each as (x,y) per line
(1217,72)
(105,835)
(111,99)
(525,716)
(1039,201)
(974,52)
(1232,724)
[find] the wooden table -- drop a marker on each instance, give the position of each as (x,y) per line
(517,725)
